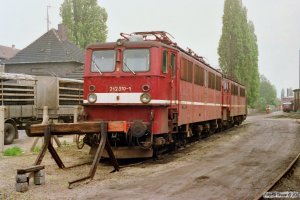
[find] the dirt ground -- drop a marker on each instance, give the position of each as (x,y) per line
(290,182)
(235,164)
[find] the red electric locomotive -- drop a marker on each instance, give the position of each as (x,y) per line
(158,93)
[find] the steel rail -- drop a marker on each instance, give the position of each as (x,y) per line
(276,180)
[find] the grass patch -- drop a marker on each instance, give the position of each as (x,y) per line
(36,149)
(279,116)
(65,143)
(291,115)
(13,151)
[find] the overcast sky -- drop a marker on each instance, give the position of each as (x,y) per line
(196,24)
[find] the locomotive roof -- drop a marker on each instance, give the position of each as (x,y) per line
(128,44)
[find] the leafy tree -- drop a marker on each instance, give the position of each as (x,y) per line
(85,21)
(253,81)
(261,104)
(267,90)
(230,43)
(238,51)
(267,94)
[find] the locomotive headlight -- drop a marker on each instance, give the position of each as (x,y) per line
(92,98)
(145,98)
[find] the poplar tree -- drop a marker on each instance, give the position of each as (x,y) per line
(254,82)
(85,21)
(238,51)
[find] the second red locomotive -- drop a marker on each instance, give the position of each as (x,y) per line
(158,93)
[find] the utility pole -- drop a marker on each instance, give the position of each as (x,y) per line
(48,21)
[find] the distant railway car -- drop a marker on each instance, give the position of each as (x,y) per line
(161,94)
(287,106)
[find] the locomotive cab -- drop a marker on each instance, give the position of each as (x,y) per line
(132,82)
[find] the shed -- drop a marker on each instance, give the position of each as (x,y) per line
(296,99)
(49,55)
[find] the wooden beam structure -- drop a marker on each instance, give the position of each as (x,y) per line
(30,169)
(50,130)
(75,128)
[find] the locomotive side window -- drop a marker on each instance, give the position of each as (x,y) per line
(234,89)
(173,64)
(103,61)
(242,92)
(206,78)
(218,83)
(190,72)
(136,60)
(202,76)
(211,80)
(186,70)
(165,62)
(199,75)
(183,69)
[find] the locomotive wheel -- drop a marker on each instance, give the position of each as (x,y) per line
(206,134)
(173,146)
(9,133)
(79,142)
(182,140)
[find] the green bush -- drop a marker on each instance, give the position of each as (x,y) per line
(13,151)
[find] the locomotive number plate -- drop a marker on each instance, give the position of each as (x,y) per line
(119,88)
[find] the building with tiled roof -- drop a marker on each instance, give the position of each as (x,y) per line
(51,54)
(7,52)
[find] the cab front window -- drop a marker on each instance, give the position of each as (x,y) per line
(136,60)
(103,61)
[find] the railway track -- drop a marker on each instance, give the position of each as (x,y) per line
(278,178)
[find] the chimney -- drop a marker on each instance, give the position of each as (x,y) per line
(62,32)
(13,46)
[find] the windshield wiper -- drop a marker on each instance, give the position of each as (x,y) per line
(97,67)
(129,68)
